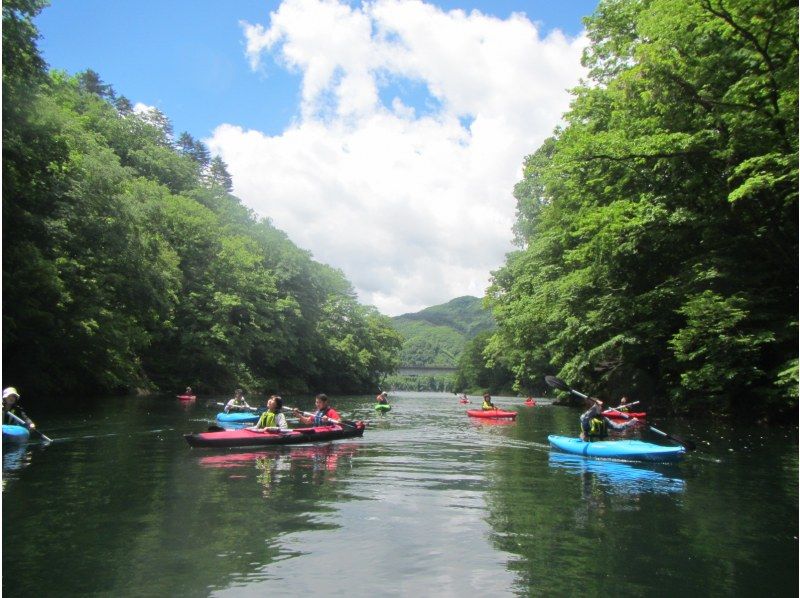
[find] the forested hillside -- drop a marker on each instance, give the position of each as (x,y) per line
(128,264)
(437,335)
(658,228)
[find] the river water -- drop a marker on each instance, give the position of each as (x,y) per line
(428,503)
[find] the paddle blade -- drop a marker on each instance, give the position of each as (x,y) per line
(556,383)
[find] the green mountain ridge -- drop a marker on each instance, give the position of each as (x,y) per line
(437,335)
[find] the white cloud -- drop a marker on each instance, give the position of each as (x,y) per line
(412,205)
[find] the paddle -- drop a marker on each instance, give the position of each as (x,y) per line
(240,407)
(619,407)
(561,385)
(341,422)
(22,422)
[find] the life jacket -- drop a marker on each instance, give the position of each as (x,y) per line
(267,420)
(597,428)
(319,415)
(487,406)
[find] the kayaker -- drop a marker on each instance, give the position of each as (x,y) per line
(594,426)
(237,403)
(487,402)
(381,398)
(623,404)
(530,401)
(322,416)
(11,405)
(273,418)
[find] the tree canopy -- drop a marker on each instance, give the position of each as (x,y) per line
(658,227)
(127,263)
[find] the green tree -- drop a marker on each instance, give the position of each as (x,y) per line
(658,228)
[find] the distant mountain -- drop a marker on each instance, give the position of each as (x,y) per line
(436,336)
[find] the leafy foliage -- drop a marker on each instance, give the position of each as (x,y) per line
(658,227)
(436,336)
(128,264)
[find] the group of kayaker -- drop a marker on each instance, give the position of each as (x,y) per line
(274,419)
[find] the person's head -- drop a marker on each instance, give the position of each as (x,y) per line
(188,390)
(623,400)
(10,395)
(487,396)
(384,394)
(275,403)
(238,392)
(321,400)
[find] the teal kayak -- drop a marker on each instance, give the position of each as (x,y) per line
(635,450)
(15,434)
(383,407)
(238,417)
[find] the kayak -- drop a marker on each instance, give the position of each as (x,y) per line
(187,397)
(241,438)
(238,417)
(463,401)
(383,407)
(614,414)
(530,403)
(13,434)
(492,413)
(635,450)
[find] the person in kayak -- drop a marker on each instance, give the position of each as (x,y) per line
(594,426)
(273,418)
(324,414)
(237,403)
(381,398)
(487,403)
(623,405)
(11,405)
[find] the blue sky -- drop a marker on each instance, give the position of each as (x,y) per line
(316,114)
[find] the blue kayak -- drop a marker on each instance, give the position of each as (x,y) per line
(238,417)
(15,434)
(635,450)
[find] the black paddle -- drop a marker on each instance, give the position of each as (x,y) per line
(23,423)
(561,385)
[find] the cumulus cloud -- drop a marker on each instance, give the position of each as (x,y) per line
(410,134)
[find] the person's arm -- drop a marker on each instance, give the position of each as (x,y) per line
(615,426)
(280,420)
(333,414)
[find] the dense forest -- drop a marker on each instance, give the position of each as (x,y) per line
(658,227)
(436,336)
(128,265)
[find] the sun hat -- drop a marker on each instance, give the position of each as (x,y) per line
(10,391)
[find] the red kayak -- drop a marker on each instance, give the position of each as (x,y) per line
(187,397)
(492,413)
(464,401)
(530,403)
(244,437)
(614,414)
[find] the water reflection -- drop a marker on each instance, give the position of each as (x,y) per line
(321,461)
(619,478)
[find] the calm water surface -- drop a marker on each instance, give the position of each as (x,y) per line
(428,502)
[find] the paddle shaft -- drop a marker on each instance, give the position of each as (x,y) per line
(620,407)
(330,419)
(238,406)
(21,421)
(560,384)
